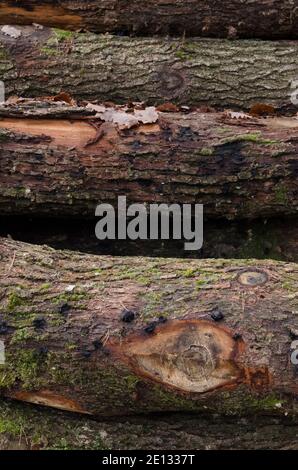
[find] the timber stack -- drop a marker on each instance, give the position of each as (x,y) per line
(191,102)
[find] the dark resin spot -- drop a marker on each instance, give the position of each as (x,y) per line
(39,323)
(217,315)
(128,316)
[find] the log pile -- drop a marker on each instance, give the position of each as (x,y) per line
(168,103)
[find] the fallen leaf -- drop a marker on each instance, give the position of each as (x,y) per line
(237,115)
(11,31)
(261,109)
(168,108)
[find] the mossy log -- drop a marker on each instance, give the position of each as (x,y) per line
(256,18)
(114,336)
(27,427)
(243,168)
(222,74)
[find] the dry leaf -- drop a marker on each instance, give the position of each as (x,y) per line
(237,115)
(11,31)
(119,116)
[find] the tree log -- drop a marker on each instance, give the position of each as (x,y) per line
(260,239)
(112,336)
(25,427)
(238,74)
(243,168)
(256,18)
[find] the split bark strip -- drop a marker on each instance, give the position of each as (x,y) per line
(113,336)
(256,18)
(222,74)
(26,427)
(236,168)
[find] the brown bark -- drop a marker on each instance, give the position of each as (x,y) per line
(236,167)
(212,336)
(256,18)
(218,73)
(26,427)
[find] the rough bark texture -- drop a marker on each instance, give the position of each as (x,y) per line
(261,239)
(235,167)
(23,427)
(254,18)
(212,336)
(218,73)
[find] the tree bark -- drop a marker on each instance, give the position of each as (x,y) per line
(111,336)
(222,74)
(25,427)
(256,18)
(260,239)
(236,167)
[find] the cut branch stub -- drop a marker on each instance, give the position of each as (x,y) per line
(252,278)
(191,355)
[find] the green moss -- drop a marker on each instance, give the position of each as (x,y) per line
(14,301)
(281,195)
(23,366)
(63,35)
(206,152)
(131,381)
(47,429)
(189,273)
(253,137)
(48,50)
(10,426)
(3,54)
(45,286)
(22,335)
(267,403)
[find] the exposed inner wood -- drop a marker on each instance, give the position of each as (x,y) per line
(194,356)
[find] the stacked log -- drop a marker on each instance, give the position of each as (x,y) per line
(256,18)
(112,336)
(220,74)
(56,162)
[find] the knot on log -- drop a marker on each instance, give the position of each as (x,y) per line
(253,278)
(189,355)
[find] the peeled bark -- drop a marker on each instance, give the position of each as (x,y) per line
(218,73)
(111,336)
(255,18)
(243,168)
(25,427)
